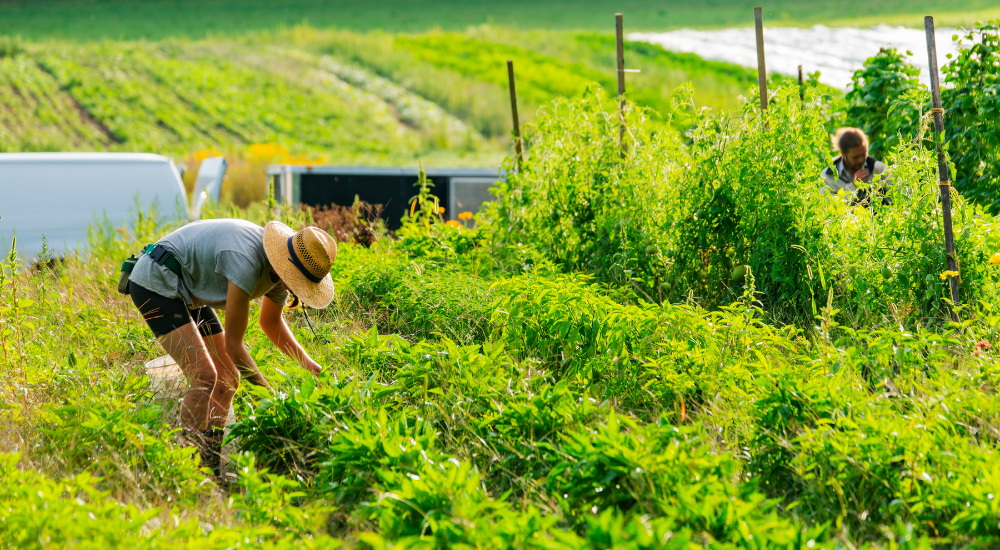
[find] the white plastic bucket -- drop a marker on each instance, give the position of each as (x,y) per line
(166,380)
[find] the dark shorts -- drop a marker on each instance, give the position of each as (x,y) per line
(165,315)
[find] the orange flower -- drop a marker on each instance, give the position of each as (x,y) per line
(453,223)
(465,216)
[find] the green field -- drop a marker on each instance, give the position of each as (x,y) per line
(156,19)
(323,95)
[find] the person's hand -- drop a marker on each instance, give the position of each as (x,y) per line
(313,367)
(862,175)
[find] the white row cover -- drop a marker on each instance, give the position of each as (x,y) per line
(835,52)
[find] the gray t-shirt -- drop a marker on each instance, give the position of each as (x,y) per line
(212,253)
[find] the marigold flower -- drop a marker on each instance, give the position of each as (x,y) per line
(995,259)
(453,223)
(465,216)
(949,273)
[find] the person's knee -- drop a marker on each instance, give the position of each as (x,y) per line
(205,375)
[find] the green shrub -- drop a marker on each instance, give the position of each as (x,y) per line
(288,432)
(576,200)
(658,470)
(128,447)
(418,300)
(905,239)
(628,222)
(752,199)
(76,513)
(874,100)
(972,100)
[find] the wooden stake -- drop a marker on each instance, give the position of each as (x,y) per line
(944,178)
(619,32)
(758,17)
(802,87)
(518,146)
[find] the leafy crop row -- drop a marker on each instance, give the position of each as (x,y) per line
(212,104)
(39,116)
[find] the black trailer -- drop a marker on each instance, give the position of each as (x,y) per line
(458,189)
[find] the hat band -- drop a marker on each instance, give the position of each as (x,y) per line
(297,263)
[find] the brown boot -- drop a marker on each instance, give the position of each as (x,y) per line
(209,445)
(211,452)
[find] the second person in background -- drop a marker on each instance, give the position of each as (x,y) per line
(852,167)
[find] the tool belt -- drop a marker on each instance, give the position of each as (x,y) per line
(158,253)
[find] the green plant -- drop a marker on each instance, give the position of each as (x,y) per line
(10,46)
(873,102)
(973,100)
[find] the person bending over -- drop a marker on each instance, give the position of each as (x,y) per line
(224,264)
(852,166)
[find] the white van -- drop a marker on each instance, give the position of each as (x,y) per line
(60,195)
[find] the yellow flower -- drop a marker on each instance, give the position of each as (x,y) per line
(468,216)
(266,152)
(272,152)
(947,274)
(995,259)
(453,222)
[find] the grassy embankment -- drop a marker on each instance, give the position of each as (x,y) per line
(157,19)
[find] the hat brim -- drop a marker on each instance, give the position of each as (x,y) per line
(315,295)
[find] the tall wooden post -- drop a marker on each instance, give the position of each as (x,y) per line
(944,178)
(758,17)
(802,87)
(620,36)
(518,146)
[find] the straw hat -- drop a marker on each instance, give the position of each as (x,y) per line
(302,259)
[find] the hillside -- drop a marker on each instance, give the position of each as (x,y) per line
(158,19)
(311,95)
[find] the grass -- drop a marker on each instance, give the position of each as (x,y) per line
(157,19)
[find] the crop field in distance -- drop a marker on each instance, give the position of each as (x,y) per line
(320,95)
(675,339)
